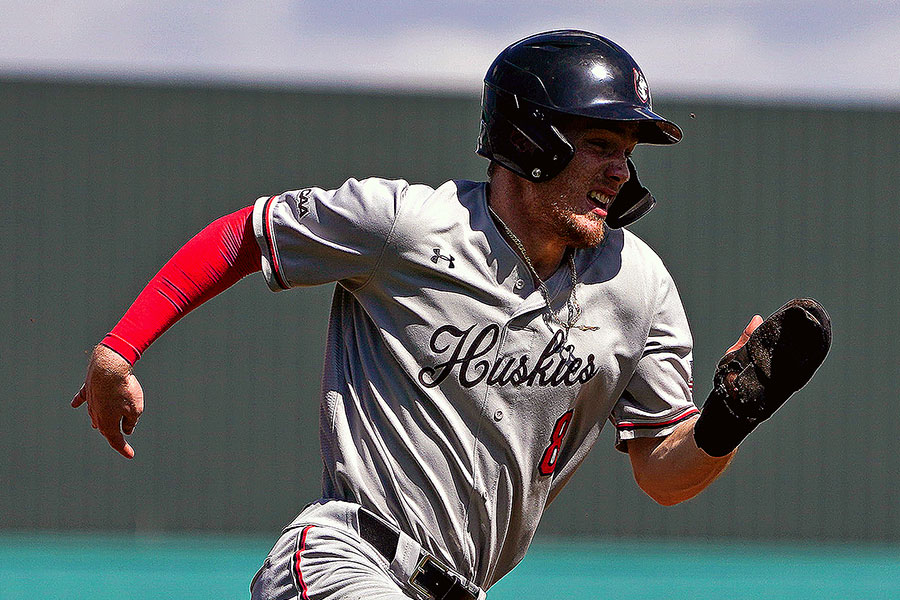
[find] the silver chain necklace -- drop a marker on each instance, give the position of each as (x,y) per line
(572,307)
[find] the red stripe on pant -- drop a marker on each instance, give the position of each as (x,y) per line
(298,576)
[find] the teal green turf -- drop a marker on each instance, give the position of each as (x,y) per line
(693,571)
(176,567)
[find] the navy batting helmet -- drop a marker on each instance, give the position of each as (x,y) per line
(536,83)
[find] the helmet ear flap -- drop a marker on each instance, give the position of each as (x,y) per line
(631,203)
(521,137)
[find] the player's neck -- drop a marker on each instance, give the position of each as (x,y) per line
(511,205)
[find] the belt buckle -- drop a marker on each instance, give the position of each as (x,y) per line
(420,570)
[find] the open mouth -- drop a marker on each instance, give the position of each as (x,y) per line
(601,202)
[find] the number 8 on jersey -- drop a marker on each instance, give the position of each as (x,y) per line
(551,454)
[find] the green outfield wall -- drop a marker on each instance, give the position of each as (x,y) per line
(100,183)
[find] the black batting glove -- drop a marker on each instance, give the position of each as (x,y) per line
(753,381)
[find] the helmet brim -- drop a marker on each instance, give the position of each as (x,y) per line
(654,128)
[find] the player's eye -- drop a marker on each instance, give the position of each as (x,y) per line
(603,146)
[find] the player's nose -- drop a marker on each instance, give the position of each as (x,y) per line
(617,170)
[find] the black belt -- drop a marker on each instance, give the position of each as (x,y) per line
(431,577)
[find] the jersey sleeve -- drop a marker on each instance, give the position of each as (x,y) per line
(314,236)
(659,395)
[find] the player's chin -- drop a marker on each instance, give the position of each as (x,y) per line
(586,231)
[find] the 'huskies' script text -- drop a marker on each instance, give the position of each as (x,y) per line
(556,365)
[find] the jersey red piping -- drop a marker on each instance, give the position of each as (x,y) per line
(298,576)
(678,419)
(270,239)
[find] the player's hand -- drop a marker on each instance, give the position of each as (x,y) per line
(114,398)
(755,322)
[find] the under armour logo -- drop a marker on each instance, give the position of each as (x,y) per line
(438,256)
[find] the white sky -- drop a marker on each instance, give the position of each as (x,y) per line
(829,51)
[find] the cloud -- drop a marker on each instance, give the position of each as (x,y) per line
(826,49)
(730,60)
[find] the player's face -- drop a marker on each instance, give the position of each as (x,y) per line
(576,201)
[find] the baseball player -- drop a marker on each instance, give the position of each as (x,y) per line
(480,336)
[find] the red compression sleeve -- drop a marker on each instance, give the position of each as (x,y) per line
(211,262)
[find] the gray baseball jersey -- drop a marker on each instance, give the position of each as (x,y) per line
(451,405)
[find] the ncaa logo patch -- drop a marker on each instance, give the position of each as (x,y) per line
(303,203)
(640,86)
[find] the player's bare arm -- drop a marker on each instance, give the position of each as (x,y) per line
(673,469)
